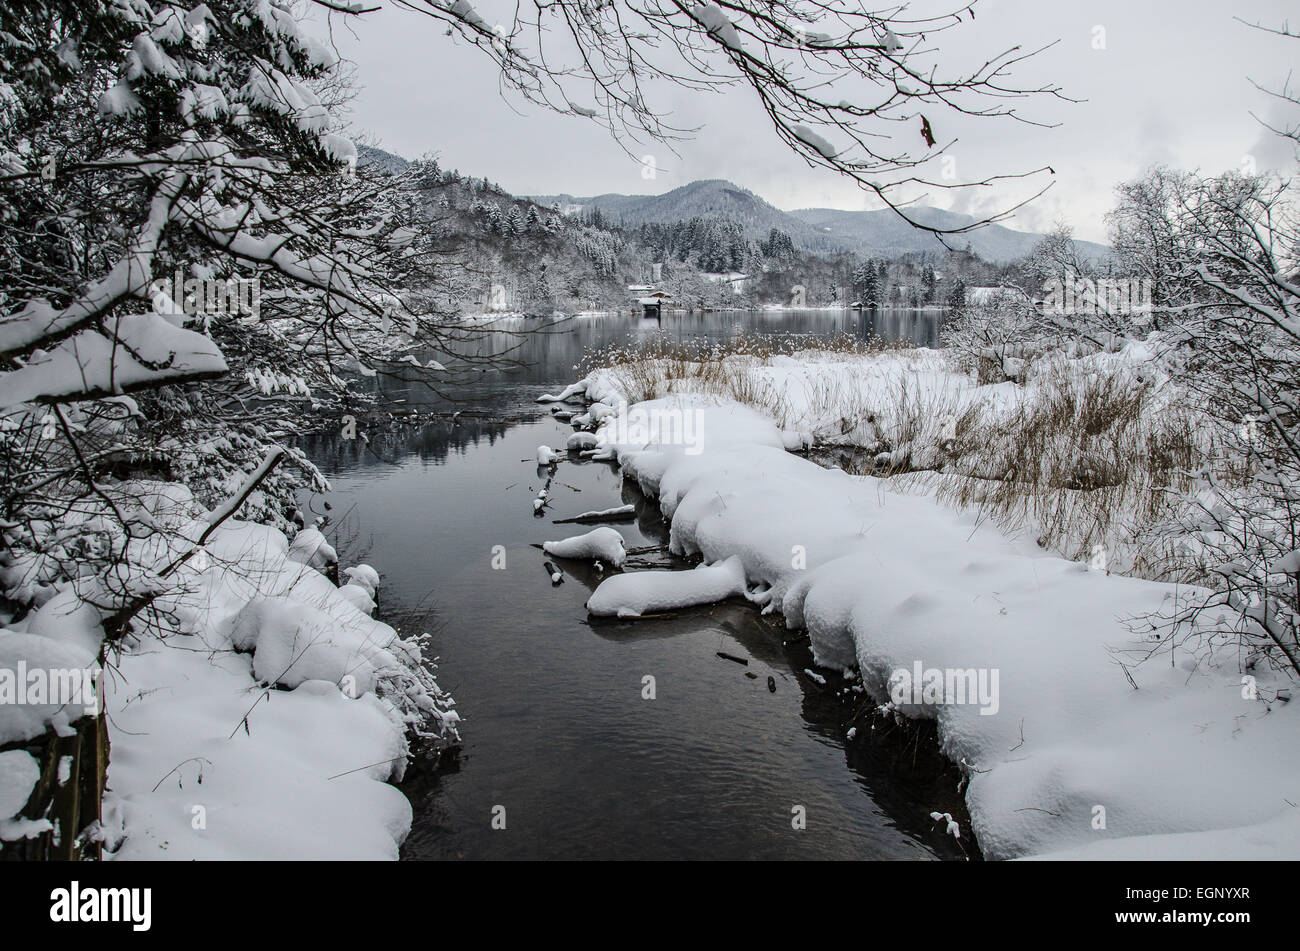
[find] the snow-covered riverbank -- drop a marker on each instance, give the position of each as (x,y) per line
(1084,751)
(258,711)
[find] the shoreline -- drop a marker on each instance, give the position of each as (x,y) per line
(1079,762)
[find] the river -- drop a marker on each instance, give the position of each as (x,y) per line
(567,743)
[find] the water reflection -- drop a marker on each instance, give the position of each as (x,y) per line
(558,729)
(390,445)
(533,351)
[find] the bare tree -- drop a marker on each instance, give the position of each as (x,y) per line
(603,60)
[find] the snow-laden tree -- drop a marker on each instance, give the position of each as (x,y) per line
(180,219)
(994,336)
(1223,254)
(866,284)
(1235,346)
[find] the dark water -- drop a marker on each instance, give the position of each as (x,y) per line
(558,731)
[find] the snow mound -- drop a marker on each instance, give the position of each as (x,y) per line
(18,776)
(310,548)
(359,597)
(571,393)
(603,543)
(650,592)
(364,576)
(302,736)
(292,643)
(24,721)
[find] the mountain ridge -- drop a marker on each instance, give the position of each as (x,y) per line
(879,233)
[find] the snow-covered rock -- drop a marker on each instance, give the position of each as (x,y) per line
(310,548)
(359,597)
(364,576)
(651,592)
(603,543)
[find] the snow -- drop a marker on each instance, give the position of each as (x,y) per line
(718,25)
(602,543)
(818,143)
(292,644)
(18,776)
(339,148)
(120,100)
(546,456)
(1288,564)
(652,592)
(363,575)
(594,414)
(596,515)
(25,721)
(1274,838)
(146,349)
(827,399)
(278,765)
(883,579)
(19,773)
(951,827)
(266,793)
(359,597)
(465,11)
(255,673)
(571,393)
(310,548)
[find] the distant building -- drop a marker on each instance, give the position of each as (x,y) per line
(653,301)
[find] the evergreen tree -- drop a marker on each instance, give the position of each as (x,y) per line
(957,296)
(868,287)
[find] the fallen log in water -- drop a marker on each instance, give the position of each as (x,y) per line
(620,514)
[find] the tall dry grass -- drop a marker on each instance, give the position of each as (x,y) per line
(656,366)
(1086,461)
(1079,457)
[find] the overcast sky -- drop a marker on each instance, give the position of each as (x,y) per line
(1171,85)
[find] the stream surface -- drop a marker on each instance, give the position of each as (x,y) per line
(561,738)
